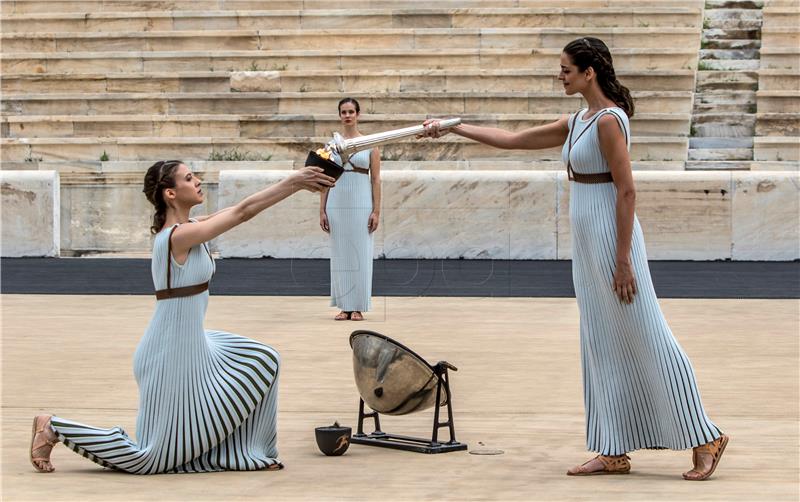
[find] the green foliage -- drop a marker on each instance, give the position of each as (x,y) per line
(104,157)
(234,154)
(703,66)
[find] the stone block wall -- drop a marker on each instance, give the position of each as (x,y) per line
(30,208)
(525,215)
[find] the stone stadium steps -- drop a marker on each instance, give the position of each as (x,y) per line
(777,148)
(64,6)
(259,126)
(313,102)
(780,58)
(778,101)
(311,61)
(727,81)
(343,81)
(336,18)
(777,129)
(88,171)
(347,39)
(738,165)
(778,124)
(779,80)
(781,16)
(649,148)
(781,36)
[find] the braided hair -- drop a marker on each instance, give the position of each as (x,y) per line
(159,176)
(590,51)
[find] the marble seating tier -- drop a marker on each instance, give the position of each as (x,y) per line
(327,18)
(39,6)
(136,80)
(778,98)
(347,39)
(356,59)
(281,125)
(352,81)
(666,148)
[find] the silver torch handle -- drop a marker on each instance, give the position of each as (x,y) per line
(347,147)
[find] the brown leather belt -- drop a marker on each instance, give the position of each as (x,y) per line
(595,177)
(196,289)
(360,170)
(170,292)
(590,178)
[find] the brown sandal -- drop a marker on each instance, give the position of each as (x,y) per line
(715,448)
(38,445)
(342,316)
(354,318)
(611,465)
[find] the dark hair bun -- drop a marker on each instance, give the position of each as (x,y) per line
(159,176)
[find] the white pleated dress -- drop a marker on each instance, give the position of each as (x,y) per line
(207,399)
(639,386)
(349,206)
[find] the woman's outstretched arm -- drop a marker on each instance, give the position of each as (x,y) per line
(187,236)
(534,138)
(207,216)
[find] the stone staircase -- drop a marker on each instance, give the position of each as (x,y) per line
(724,112)
(262,77)
(734,113)
(777,134)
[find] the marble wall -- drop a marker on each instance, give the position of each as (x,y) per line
(525,215)
(30,213)
(471,214)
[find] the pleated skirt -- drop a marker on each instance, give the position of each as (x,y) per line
(348,208)
(639,387)
(207,402)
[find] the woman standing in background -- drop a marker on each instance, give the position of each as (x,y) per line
(350,213)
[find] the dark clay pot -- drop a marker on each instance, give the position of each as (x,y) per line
(333,440)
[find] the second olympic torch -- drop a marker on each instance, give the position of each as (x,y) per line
(347,147)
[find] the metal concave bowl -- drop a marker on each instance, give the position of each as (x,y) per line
(391,378)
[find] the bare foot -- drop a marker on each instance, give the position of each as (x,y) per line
(705,458)
(43,438)
(602,464)
(342,316)
(356,316)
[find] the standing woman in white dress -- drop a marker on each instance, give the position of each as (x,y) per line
(639,386)
(350,213)
(207,399)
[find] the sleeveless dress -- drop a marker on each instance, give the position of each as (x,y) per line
(349,206)
(639,386)
(207,399)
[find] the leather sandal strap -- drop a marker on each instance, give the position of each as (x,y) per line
(41,443)
(614,463)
